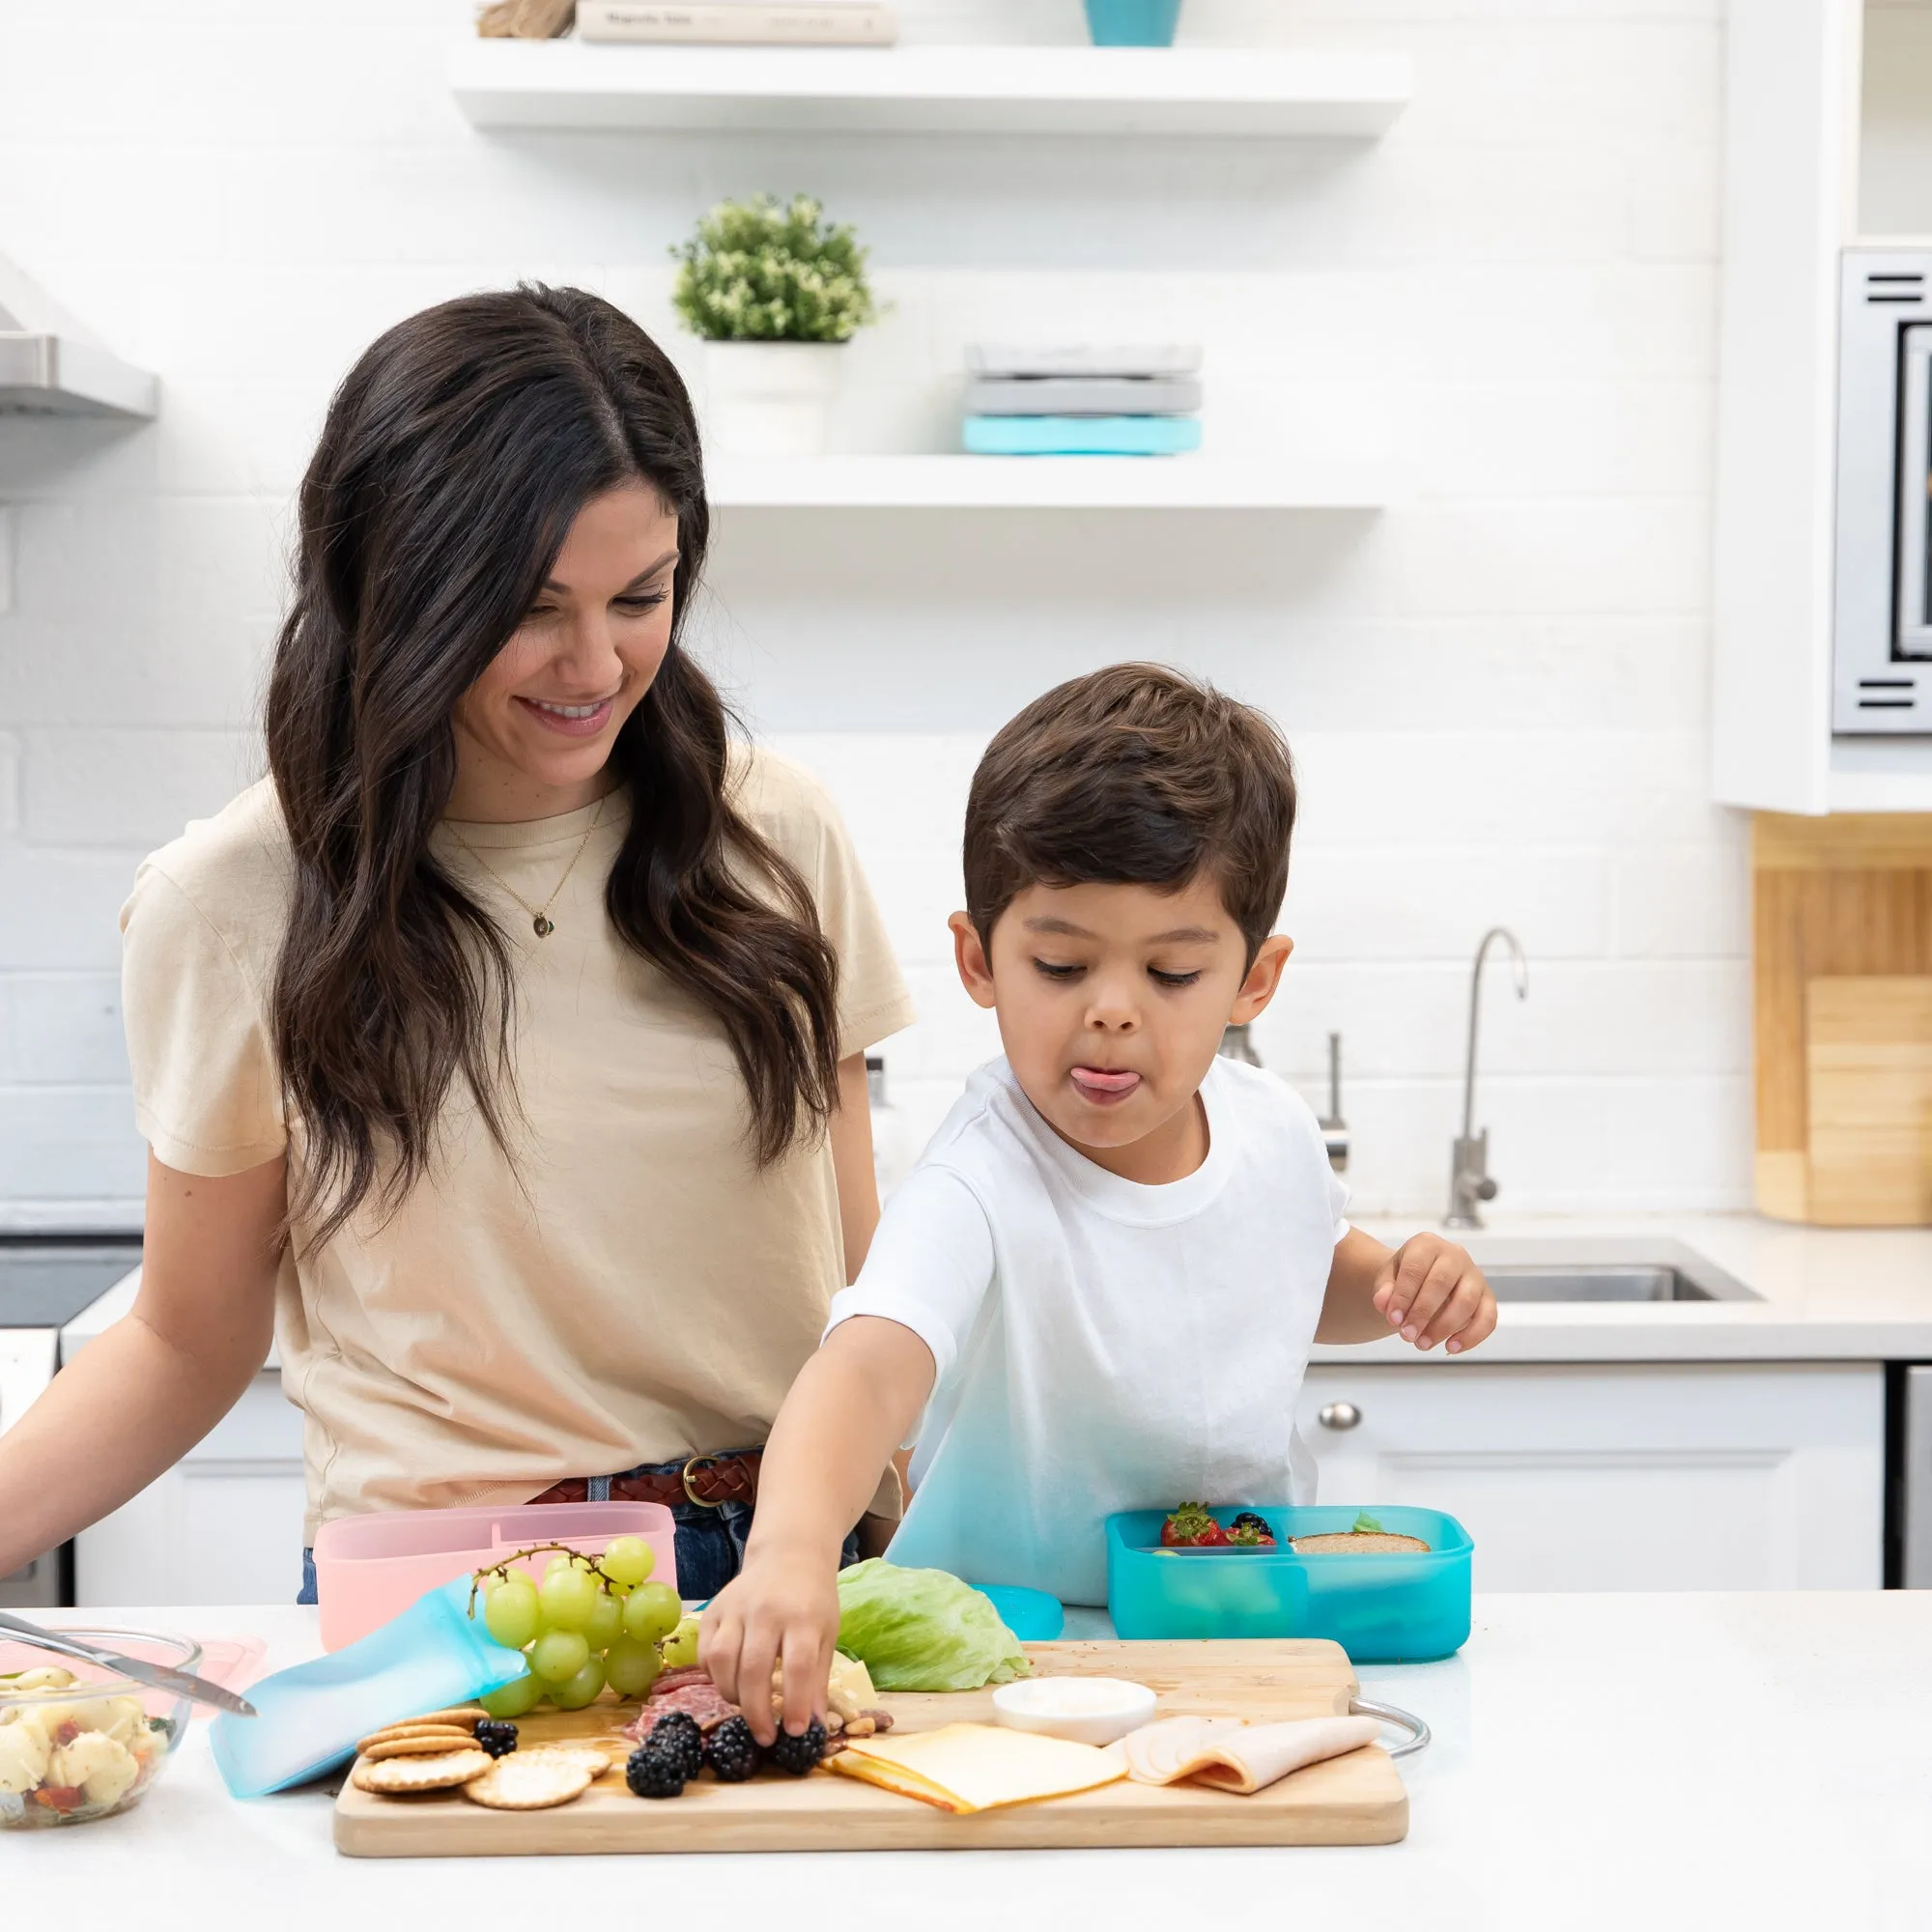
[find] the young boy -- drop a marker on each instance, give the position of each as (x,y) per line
(1101,1283)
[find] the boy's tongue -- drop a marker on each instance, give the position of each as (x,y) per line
(1102,1081)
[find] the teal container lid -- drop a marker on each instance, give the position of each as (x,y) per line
(1032,1615)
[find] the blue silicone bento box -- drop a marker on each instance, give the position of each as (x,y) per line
(1399,1608)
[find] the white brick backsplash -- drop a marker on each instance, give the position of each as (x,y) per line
(1496,693)
(70,1143)
(1684,901)
(1585,1019)
(61,1028)
(1670,1144)
(9,784)
(121,788)
(1430,902)
(63,909)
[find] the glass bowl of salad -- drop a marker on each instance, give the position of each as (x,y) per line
(78,1743)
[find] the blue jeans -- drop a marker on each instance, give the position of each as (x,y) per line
(710,1546)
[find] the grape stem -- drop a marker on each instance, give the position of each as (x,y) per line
(502,1570)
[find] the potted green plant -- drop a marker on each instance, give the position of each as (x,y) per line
(776,291)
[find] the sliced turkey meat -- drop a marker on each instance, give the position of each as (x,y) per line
(1233,1755)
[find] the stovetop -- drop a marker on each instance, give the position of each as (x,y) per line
(47,1280)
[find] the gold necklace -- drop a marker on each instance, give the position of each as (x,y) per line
(541,922)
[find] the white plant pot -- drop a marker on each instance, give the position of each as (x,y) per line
(772,398)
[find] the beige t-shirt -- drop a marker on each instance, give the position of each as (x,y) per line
(635,1289)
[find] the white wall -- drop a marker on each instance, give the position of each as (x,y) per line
(1497,692)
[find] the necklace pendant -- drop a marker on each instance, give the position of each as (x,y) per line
(542,926)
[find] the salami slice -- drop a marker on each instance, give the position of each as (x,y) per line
(705,1702)
(677,1680)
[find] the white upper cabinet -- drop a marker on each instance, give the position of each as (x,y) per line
(1821,694)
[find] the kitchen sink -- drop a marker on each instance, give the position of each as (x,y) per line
(1657,1271)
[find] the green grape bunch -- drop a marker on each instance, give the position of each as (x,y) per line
(588,1622)
(765,271)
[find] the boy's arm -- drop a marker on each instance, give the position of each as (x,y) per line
(1428,1288)
(852,1405)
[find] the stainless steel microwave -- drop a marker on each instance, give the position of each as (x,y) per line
(1882,597)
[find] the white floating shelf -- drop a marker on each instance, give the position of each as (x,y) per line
(932,90)
(1044,483)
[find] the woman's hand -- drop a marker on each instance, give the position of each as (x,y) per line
(1432,1291)
(781,1609)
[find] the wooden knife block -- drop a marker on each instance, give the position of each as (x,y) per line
(1842,969)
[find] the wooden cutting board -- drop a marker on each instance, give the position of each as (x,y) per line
(1869,1063)
(1357,1800)
(1848,895)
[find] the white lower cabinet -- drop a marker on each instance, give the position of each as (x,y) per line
(224,1526)
(1714,1477)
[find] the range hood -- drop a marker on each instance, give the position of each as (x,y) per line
(50,365)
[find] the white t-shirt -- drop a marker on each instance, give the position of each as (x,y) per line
(1101,1345)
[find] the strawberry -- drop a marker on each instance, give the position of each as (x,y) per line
(1192,1527)
(1245,1536)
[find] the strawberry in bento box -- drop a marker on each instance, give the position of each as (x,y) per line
(1191,1527)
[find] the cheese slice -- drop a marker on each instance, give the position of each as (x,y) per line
(965,1768)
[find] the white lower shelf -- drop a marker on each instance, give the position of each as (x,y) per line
(1044,483)
(932,88)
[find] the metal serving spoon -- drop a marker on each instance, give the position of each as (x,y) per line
(158,1675)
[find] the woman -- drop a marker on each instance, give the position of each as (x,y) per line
(505,1047)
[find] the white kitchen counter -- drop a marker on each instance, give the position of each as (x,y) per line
(1860,1294)
(1826,1295)
(1738,1761)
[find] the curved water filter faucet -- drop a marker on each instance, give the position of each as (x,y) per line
(1469,1182)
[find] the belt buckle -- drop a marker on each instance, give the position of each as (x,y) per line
(692,1463)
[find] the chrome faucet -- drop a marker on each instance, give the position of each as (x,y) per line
(1469,1182)
(1237,1044)
(1334,1129)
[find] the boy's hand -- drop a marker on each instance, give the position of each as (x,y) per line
(1432,1292)
(783,1609)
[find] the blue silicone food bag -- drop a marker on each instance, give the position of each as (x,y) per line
(309,1717)
(1398,1608)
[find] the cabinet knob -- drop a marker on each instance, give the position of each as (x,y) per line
(1339,1415)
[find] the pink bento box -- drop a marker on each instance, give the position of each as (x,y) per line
(371,1568)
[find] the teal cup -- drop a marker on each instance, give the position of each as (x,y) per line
(1133,23)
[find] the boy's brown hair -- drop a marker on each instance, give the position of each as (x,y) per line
(1135,775)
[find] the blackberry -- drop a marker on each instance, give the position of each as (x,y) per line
(497,1735)
(651,1774)
(1248,1520)
(676,1738)
(732,1752)
(797,1754)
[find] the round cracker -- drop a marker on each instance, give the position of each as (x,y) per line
(532,1781)
(586,1751)
(464,1716)
(429,1745)
(396,1776)
(443,1734)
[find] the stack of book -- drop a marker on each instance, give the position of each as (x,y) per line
(831,23)
(1083,402)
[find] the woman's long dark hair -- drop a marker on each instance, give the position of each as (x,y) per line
(453,461)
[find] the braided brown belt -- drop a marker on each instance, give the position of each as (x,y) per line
(709,1480)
